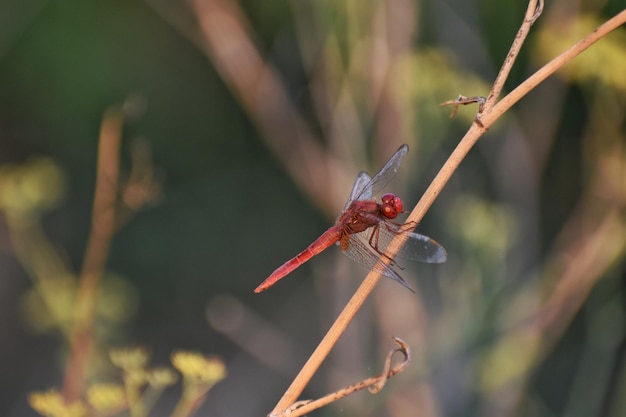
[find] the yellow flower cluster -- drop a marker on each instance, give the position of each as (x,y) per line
(51,404)
(128,359)
(141,388)
(106,397)
(199,368)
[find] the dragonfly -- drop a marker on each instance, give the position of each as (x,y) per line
(366,227)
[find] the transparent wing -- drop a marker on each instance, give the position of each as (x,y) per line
(360,251)
(380,180)
(416,247)
(361,181)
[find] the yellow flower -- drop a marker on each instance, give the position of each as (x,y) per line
(51,404)
(103,397)
(162,377)
(199,368)
(127,359)
(135,377)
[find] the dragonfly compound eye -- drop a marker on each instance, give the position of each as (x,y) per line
(388,211)
(392,205)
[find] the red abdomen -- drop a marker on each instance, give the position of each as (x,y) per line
(329,237)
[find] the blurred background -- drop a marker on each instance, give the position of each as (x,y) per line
(223,137)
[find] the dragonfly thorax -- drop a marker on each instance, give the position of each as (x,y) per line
(360,216)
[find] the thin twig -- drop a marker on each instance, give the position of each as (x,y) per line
(461,100)
(319,354)
(471,137)
(102,228)
(532,14)
(489,117)
(375,383)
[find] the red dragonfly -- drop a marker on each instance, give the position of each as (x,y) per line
(365,228)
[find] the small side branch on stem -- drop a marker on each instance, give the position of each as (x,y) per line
(375,384)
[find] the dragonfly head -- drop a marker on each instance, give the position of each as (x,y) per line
(392,206)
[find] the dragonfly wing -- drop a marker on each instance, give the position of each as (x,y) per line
(382,178)
(416,247)
(360,251)
(357,189)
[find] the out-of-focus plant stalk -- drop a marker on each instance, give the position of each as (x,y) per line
(102,230)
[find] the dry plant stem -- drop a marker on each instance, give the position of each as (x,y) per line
(551,67)
(532,13)
(471,137)
(376,383)
(370,281)
(102,227)
(322,350)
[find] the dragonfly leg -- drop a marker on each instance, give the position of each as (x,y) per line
(400,227)
(408,226)
(373,242)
